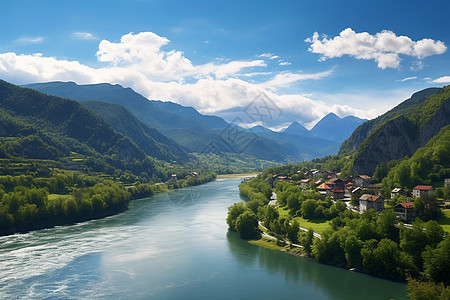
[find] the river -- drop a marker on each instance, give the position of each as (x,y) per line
(174,245)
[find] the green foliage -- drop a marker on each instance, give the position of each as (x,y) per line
(234,212)
(247,225)
(437,262)
(429,165)
(308,208)
(426,290)
(306,240)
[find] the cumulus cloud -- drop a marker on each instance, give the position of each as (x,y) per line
(83,36)
(443,79)
(30,40)
(284,63)
(384,47)
(141,61)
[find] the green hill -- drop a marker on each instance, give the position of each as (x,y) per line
(150,140)
(62,119)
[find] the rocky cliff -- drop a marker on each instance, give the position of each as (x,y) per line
(398,138)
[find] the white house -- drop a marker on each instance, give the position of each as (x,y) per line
(367,201)
(422,190)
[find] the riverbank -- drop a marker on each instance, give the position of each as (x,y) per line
(234,176)
(267,243)
(106,198)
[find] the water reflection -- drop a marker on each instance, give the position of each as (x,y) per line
(333,282)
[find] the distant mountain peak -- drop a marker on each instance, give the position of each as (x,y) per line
(297,129)
(332,127)
(331,115)
(259,128)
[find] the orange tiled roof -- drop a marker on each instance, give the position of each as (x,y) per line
(406,204)
(423,187)
(324,186)
(337,189)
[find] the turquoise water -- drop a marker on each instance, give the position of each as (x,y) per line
(170,246)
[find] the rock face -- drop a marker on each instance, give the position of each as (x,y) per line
(432,127)
(362,132)
(396,139)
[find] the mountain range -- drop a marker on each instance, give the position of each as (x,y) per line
(195,132)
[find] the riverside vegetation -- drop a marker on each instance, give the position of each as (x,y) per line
(374,243)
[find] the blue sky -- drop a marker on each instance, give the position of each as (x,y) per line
(218,56)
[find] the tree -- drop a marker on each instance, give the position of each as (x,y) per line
(246,225)
(386,225)
(308,208)
(70,208)
(436,262)
(419,290)
(267,214)
(306,240)
(292,231)
(234,212)
(352,248)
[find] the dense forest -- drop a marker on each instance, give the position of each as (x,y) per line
(43,197)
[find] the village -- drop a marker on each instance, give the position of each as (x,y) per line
(360,193)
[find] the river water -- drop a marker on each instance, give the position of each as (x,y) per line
(174,245)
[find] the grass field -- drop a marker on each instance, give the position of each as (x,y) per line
(444,220)
(262,242)
(318,225)
(55,196)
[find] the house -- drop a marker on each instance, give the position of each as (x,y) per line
(304,183)
(422,190)
(349,187)
(397,192)
(284,178)
(338,182)
(367,202)
(338,193)
(362,180)
(447,182)
(325,189)
(356,192)
(316,174)
(405,211)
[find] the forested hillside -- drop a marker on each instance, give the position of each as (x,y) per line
(61,163)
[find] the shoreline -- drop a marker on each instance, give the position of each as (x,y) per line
(234,176)
(71,222)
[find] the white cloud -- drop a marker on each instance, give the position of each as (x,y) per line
(284,63)
(285,79)
(138,61)
(383,47)
(269,56)
(443,79)
(83,36)
(407,78)
(29,40)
